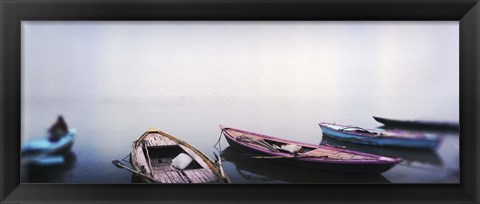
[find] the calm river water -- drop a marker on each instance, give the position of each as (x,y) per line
(111,86)
(106,131)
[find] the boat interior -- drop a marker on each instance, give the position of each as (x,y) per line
(161,157)
(273,145)
(156,153)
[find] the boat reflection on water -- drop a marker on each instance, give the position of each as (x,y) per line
(266,171)
(50,173)
(426,156)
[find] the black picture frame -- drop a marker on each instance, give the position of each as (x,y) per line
(12,12)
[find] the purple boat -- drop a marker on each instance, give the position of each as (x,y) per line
(307,155)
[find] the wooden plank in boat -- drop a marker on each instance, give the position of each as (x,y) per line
(182,177)
(167,168)
(163,165)
(359,157)
(328,151)
(208,174)
(163,177)
(321,152)
(192,176)
(344,155)
(169,141)
(159,176)
(141,160)
(167,178)
(163,141)
(147,138)
(157,142)
(167,174)
(154,135)
(170,177)
(200,176)
(177,177)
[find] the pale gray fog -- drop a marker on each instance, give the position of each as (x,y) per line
(114,80)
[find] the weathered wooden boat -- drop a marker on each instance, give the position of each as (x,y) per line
(393,138)
(307,155)
(41,151)
(155,153)
(418,124)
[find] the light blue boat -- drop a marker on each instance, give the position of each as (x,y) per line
(43,152)
(380,138)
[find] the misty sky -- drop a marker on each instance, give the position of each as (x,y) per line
(379,62)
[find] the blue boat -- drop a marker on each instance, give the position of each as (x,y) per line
(41,151)
(393,138)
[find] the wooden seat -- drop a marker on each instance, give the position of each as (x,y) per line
(200,175)
(171,177)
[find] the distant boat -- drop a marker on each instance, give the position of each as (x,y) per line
(418,124)
(41,151)
(307,155)
(162,158)
(380,138)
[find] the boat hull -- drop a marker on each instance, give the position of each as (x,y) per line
(343,167)
(347,167)
(379,141)
(36,151)
(417,124)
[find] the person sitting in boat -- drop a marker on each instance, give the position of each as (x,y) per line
(58,130)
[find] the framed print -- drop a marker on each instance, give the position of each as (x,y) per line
(283,101)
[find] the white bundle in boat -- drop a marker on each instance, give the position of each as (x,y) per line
(291,148)
(181,161)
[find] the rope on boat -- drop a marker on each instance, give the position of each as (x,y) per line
(219,158)
(128,156)
(262,143)
(218,145)
(219,148)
